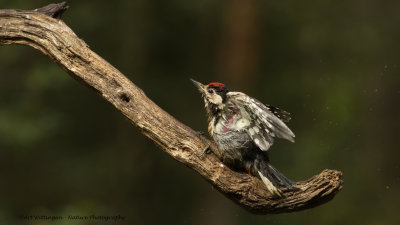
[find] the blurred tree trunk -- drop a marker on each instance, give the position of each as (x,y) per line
(237,57)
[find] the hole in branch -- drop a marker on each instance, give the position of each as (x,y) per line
(124,97)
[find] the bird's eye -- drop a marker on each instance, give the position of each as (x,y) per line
(210,91)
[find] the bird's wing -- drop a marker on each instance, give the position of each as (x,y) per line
(265,124)
(280,113)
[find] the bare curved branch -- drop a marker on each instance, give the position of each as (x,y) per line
(55,39)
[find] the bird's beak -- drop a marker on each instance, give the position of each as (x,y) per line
(199,86)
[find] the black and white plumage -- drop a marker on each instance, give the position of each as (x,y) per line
(244,129)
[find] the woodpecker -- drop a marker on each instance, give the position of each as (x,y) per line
(244,129)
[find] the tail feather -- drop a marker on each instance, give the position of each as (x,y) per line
(280,177)
(273,188)
(272,177)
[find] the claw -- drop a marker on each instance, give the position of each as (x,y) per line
(206,149)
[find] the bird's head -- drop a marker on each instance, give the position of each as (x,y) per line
(214,94)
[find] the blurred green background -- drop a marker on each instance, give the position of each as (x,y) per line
(333,64)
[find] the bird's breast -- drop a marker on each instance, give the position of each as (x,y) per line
(231,123)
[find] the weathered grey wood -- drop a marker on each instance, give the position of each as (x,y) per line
(56,40)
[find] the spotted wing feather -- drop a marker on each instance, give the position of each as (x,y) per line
(266,123)
(258,132)
(280,113)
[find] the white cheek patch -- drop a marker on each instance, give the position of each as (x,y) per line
(215,99)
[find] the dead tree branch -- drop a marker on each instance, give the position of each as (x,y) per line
(41,29)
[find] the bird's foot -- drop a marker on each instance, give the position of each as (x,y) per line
(206,149)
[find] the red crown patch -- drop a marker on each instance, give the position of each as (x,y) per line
(216,84)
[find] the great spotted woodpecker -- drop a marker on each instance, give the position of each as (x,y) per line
(243,129)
